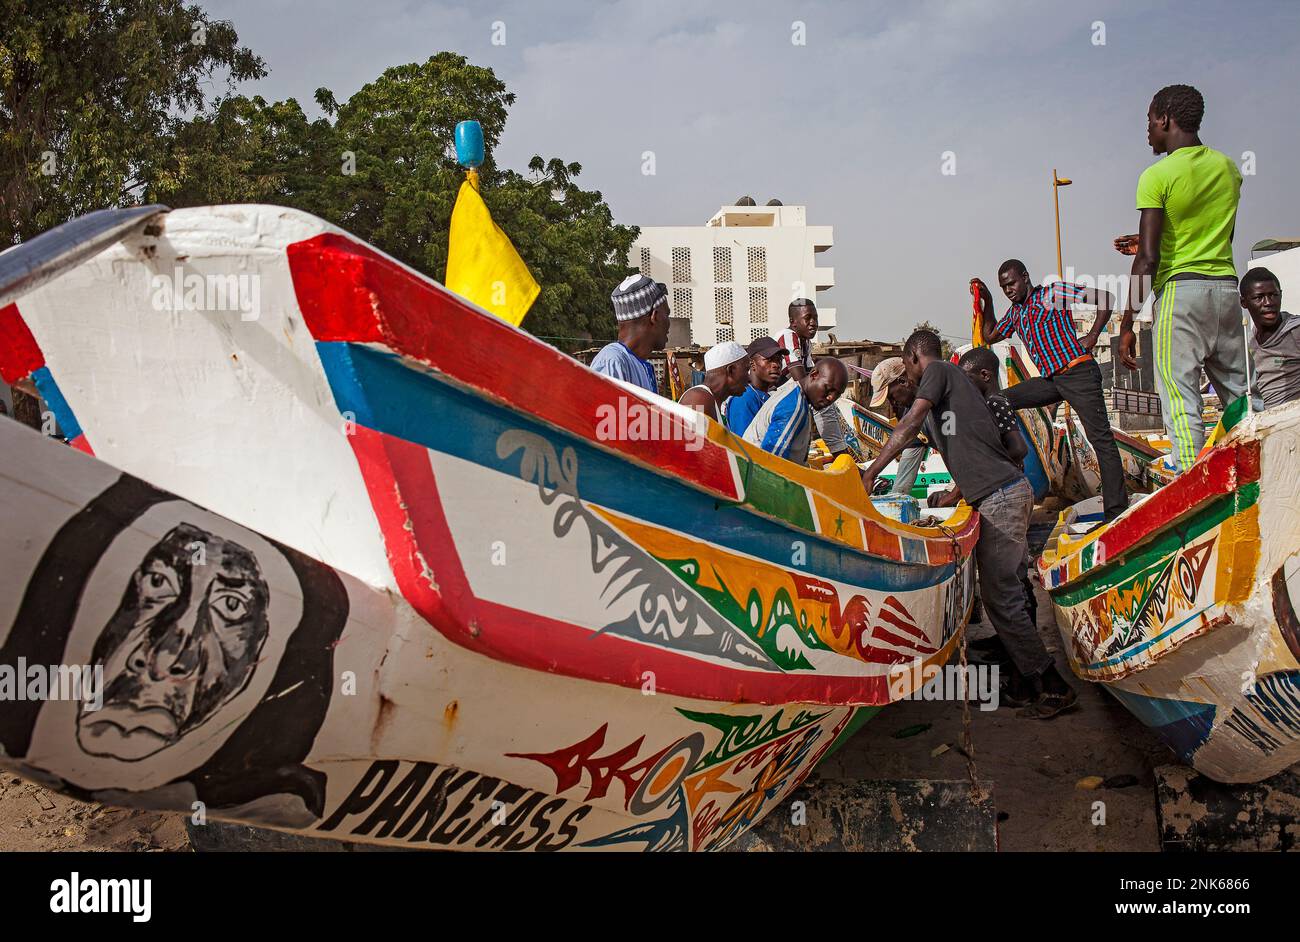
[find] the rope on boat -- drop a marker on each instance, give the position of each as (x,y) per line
(967,742)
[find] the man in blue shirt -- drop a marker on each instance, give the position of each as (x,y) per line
(785,423)
(766,361)
(641,309)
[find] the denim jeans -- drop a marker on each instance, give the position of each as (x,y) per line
(1000,554)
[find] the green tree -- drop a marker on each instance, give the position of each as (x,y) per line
(382,165)
(945,347)
(91,91)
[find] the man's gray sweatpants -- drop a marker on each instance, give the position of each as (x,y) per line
(1197,324)
(1000,552)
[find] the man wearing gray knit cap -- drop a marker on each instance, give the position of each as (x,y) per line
(641,309)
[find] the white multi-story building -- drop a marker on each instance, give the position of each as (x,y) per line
(734,277)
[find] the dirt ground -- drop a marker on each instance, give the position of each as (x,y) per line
(32,818)
(1035,766)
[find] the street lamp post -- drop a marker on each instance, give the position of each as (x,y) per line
(1057,183)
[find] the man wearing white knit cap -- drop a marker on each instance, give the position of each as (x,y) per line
(726,374)
(641,309)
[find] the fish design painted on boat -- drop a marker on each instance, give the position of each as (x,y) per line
(1185,609)
(357,559)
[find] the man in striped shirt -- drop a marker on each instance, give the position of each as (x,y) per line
(1041,316)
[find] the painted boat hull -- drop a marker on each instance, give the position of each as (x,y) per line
(1183,607)
(470,613)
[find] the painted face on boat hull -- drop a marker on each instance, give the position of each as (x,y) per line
(183,642)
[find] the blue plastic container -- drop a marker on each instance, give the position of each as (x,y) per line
(469,144)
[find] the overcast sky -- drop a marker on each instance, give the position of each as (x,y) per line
(855,122)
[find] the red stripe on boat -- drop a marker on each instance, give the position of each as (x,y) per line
(432,579)
(1223,471)
(349,292)
(19,353)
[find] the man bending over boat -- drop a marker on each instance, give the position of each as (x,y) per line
(726,374)
(1183,251)
(1067,370)
(784,424)
(981,365)
(641,309)
(958,423)
(1275,344)
(766,362)
(798,339)
(890,383)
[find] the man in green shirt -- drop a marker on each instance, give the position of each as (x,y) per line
(1183,253)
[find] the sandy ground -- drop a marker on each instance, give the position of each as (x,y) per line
(1035,766)
(32,818)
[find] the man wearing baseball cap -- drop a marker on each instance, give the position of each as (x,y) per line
(726,374)
(890,383)
(766,363)
(641,309)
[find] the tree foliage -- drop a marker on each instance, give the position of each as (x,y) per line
(120,94)
(945,347)
(91,91)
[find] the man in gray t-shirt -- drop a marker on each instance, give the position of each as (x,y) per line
(1275,342)
(965,433)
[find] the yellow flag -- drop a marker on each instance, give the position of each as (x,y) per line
(482,265)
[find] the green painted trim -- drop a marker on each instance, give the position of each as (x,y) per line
(777,496)
(1171,539)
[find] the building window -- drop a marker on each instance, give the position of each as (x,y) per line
(725,334)
(681,303)
(723,305)
(681,265)
(756,333)
(757,263)
(645,260)
(758,313)
(722,263)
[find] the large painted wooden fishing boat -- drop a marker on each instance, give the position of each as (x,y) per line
(1184,607)
(356,559)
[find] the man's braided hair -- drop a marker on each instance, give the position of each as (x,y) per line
(1182,103)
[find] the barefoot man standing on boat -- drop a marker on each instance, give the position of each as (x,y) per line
(1067,369)
(1183,252)
(958,423)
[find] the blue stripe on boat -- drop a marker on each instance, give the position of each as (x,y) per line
(1128,653)
(386,395)
(53,397)
(1182,724)
(1034,469)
